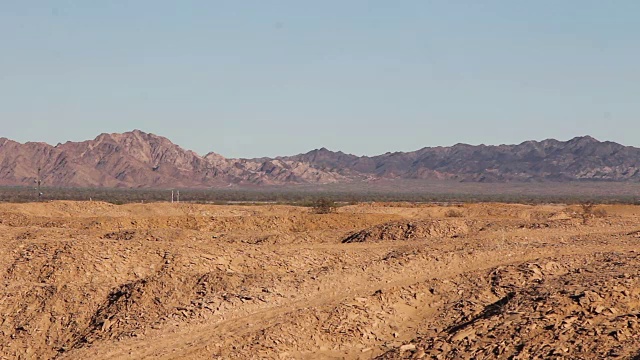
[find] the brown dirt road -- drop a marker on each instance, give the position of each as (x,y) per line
(173,281)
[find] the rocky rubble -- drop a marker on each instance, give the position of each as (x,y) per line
(93,280)
(410,230)
(555,310)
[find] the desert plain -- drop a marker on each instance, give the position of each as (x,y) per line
(94,280)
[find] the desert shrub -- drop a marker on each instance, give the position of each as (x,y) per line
(352,201)
(589,211)
(453,213)
(324,206)
(600,213)
(587,207)
(586,211)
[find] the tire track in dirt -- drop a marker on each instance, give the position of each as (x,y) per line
(264,281)
(194,342)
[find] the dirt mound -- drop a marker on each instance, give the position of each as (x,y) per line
(61,208)
(553,310)
(134,308)
(94,280)
(399,230)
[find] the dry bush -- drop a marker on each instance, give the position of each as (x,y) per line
(586,211)
(600,213)
(453,213)
(324,206)
(589,211)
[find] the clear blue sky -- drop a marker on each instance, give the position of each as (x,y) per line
(264,78)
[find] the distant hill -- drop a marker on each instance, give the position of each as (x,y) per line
(141,160)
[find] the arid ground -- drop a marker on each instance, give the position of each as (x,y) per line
(92,280)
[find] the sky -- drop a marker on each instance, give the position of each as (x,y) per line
(266,78)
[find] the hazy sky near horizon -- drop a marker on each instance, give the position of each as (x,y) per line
(265,78)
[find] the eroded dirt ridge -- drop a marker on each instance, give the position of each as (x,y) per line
(94,280)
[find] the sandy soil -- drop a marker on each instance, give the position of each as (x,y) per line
(90,280)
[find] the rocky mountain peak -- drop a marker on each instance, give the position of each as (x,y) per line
(140,159)
(583,140)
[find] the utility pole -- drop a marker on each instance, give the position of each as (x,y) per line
(38,182)
(178,197)
(172,196)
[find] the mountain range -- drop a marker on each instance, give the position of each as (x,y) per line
(142,160)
